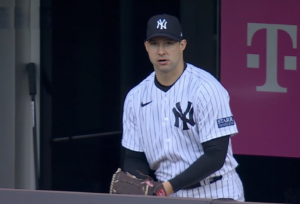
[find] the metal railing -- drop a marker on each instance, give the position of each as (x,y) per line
(14,196)
(59,139)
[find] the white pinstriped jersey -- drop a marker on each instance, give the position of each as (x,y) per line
(169,128)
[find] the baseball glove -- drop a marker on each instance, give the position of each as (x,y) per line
(125,183)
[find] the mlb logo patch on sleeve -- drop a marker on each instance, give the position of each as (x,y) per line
(224,122)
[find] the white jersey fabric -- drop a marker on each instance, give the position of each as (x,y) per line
(169,128)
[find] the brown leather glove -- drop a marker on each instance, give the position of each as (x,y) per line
(125,183)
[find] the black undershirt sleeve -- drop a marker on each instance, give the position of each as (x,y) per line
(134,161)
(212,160)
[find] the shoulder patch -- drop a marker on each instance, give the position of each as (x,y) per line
(224,122)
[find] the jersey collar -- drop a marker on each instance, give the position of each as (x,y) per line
(166,88)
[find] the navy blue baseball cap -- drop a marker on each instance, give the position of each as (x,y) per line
(164,25)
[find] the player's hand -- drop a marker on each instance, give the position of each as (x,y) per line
(168,188)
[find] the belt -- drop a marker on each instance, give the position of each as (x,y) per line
(207,181)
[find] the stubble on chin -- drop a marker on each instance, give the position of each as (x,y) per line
(162,69)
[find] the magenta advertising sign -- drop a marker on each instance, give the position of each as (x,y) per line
(260,68)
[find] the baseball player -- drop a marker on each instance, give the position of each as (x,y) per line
(178,122)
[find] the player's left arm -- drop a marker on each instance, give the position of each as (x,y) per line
(212,160)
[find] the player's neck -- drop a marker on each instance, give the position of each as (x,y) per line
(169,78)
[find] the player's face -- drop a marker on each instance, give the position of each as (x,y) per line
(165,54)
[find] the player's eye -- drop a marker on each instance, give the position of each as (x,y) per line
(170,43)
(153,43)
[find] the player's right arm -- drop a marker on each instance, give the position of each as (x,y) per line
(134,161)
(134,157)
(131,132)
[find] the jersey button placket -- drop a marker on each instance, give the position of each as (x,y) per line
(165,121)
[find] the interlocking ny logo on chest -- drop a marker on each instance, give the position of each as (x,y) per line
(183,116)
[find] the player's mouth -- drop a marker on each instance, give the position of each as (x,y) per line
(162,61)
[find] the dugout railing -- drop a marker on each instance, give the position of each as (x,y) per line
(17,196)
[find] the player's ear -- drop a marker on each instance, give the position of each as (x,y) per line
(146,45)
(182,45)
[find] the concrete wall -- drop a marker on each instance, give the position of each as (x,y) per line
(19,45)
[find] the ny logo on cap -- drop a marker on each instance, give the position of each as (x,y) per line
(161,24)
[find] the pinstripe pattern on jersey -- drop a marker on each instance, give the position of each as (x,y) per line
(150,129)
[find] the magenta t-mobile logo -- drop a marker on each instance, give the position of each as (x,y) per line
(290,62)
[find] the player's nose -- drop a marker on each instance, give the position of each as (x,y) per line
(161,50)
